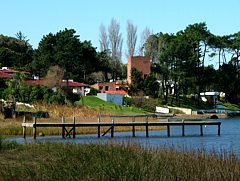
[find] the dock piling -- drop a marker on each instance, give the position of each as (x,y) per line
(99,128)
(34,127)
(133,127)
(201,130)
(74,127)
(147,135)
(24,127)
(112,128)
(63,127)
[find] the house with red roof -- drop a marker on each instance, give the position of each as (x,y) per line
(7,73)
(77,87)
(111,87)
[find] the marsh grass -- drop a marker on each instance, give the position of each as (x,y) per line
(56,161)
(82,114)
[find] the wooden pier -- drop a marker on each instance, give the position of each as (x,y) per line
(69,128)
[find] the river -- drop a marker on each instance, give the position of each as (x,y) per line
(228,142)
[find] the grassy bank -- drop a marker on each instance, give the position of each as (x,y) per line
(82,114)
(55,161)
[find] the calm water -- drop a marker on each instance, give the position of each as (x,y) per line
(227,142)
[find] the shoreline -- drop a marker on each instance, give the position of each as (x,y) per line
(201,116)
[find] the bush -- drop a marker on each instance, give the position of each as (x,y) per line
(147,104)
(93,92)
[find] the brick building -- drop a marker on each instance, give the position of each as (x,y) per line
(141,63)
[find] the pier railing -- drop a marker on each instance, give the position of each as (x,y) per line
(68,128)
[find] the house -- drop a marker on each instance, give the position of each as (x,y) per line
(77,87)
(111,87)
(7,73)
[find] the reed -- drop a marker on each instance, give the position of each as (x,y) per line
(55,161)
(82,114)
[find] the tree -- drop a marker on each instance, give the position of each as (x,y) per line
(104,63)
(151,86)
(54,77)
(103,39)
(65,49)
(131,38)
(15,52)
(115,38)
(144,36)
(136,85)
(21,36)
(151,47)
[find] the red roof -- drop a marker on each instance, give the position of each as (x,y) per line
(70,84)
(10,71)
(5,75)
(73,84)
(123,92)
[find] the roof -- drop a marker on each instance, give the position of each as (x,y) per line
(10,71)
(123,92)
(70,84)
(5,75)
(73,84)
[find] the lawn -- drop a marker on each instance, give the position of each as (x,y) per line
(100,105)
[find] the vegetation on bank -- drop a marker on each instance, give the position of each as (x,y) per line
(56,161)
(108,107)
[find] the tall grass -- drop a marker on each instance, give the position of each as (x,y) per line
(82,114)
(55,161)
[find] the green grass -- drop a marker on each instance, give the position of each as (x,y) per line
(231,106)
(55,161)
(98,104)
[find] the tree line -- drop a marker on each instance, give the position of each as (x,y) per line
(178,60)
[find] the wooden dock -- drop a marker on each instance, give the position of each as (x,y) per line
(69,129)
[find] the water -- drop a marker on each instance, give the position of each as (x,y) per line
(227,142)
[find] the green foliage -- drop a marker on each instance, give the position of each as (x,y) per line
(136,82)
(66,50)
(56,98)
(93,92)
(151,86)
(15,52)
(147,104)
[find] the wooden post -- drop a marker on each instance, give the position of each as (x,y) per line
(183,131)
(168,130)
(219,125)
(133,128)
(112,128)
(24,127)
(34,127)
(99,128)
(63,127)
(147,135)
(201,129)
(74,127)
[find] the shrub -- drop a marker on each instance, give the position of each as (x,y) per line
(147,104)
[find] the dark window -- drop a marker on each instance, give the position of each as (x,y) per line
(106,88)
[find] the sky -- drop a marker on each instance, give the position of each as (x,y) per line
(38,18)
